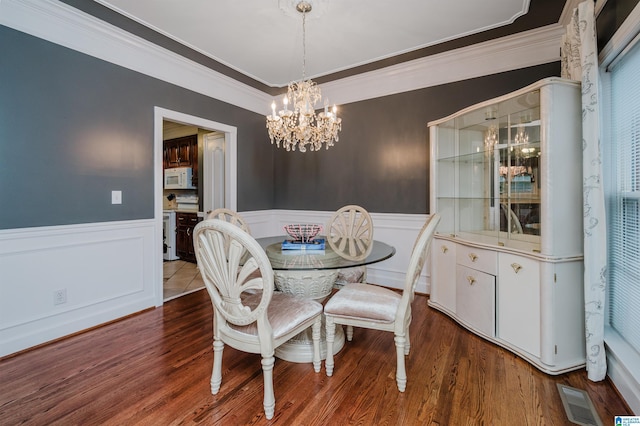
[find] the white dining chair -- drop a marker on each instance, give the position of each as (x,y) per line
(248,314)
(379,308)
(509,216)
(229,216)
(349,233)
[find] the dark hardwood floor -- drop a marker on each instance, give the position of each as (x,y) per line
(154,369)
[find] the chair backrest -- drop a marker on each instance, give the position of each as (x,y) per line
(416,263)
(349,232)
(229,216)
(507,214)
(228,258)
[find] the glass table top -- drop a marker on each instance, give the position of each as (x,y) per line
(283,260)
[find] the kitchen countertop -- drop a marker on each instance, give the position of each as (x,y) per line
(200,214)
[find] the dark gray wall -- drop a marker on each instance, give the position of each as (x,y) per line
(381,161)
(73,128)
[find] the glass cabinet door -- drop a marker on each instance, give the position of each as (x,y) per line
(475,175)
(446,181)
(488,173)
(519,173)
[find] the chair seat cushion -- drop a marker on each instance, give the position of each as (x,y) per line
(350,275)
(364,301)
(285,312)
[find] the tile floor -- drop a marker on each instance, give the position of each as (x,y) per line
(180,278)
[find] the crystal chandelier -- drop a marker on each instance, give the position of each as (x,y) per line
(521,136)
(300,126)
(491,134)
(491,137)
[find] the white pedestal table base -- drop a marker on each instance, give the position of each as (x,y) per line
(317,285)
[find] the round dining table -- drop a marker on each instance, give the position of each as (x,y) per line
(312,274)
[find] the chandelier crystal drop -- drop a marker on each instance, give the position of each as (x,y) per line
(300,127)
(491,137)
(521,136)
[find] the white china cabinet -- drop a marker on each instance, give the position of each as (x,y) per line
(506,177)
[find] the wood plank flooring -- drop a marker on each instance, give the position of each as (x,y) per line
(154,369)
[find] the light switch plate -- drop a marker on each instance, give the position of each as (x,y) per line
(116,197)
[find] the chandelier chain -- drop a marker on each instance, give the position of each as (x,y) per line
(300,127)
(304,44)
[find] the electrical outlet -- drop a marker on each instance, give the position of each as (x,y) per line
(60,296)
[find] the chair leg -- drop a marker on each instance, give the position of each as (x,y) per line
(316,329)
(216,374)
(349,333)
(331,335)
(269,397)
(401,374)
(407,344)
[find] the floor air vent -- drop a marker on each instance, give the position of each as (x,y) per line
(578,406)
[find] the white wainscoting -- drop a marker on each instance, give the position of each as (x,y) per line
(398,230)
(107,270)
(113,269)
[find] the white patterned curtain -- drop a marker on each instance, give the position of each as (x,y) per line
(580,62)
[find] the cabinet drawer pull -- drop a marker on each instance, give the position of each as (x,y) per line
(471,280)
(516,267)
(473,257)
(444,249)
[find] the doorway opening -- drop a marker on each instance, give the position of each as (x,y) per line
(217,187)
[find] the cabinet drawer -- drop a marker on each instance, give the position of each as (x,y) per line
(476,299)
(480,259)
(187,219)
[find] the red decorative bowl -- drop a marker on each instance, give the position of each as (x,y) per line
(301,232)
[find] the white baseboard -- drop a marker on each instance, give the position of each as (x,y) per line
(623,368)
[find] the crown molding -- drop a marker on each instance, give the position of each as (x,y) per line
(62,24)
(525,49)
(567,11)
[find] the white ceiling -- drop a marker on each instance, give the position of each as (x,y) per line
(263,38)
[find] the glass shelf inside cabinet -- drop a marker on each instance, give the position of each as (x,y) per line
(477,220)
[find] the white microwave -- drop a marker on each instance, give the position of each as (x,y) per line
(178,178)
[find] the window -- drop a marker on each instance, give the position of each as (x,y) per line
(623,203)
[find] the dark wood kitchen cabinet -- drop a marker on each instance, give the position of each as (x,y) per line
(185,222)
(182,152)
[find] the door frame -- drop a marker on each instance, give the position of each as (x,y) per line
(230,166)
